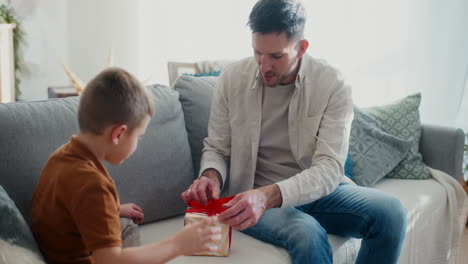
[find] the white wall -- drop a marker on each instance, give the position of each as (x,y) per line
(95,26)
(146,34)
(390,48)
(190,31)
(45,24)
(386,49)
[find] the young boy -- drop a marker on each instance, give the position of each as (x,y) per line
(75,207)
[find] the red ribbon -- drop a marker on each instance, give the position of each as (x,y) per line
(213,207)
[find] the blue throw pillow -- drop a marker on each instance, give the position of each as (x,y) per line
(204,74)
(348,167)
(13,227)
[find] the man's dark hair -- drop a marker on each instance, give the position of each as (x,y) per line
(268,16)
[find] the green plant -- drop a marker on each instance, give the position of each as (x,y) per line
(8,16)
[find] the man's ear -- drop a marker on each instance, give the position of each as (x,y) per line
(302,46)
(117,132)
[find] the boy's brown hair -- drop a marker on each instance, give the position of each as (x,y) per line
(114,96)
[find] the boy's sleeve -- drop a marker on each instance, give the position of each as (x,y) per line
(95,210)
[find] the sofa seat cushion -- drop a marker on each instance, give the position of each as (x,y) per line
(244,249)
(428,230)
(424,200)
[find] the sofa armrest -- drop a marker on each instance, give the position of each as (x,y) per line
(442,148)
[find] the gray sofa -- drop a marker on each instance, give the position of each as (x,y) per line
(167,161)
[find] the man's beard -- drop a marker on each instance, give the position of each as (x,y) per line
(292,68)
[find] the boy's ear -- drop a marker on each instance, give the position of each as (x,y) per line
(117,132)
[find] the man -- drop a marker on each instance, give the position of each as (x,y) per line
(283,119)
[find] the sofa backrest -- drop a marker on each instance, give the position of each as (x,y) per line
(441,147)
(153,177)
(196,94)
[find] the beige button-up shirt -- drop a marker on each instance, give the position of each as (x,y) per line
(319,123)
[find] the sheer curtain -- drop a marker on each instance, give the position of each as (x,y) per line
(462,117)
(386,49)
(391,48)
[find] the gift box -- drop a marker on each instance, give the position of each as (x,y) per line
(198,211)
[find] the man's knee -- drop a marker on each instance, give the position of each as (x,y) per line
(391,216)
(306,234)
(397,217)
(309,242)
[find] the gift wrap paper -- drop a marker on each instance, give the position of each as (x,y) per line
(223,245)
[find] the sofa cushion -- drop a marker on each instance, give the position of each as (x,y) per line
(373,150)
(401,119)
(245,249)
(13,227)
(153,177)
(30,132)
(204,74)
(161,168)
(196,95)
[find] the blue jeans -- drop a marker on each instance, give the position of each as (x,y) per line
(350,211)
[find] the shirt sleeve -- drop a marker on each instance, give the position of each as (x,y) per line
(327,165)
(217,146)
(95,210)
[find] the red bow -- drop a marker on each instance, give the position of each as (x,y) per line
(213,207)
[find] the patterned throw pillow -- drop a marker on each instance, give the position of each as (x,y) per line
(401,119)
(374,151)
(13,228)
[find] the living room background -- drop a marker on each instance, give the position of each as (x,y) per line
(386,49)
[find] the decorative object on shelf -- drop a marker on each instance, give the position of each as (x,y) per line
(77,83)
(8,16)
(61,91)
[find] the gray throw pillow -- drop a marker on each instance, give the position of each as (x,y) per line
(373,150)
(13,227)
(401,119)
(196,94)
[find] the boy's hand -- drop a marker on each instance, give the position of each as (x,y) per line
(197,237)
(132,211)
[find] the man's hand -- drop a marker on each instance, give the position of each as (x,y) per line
(247,208)
(132,211)
(208,186)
